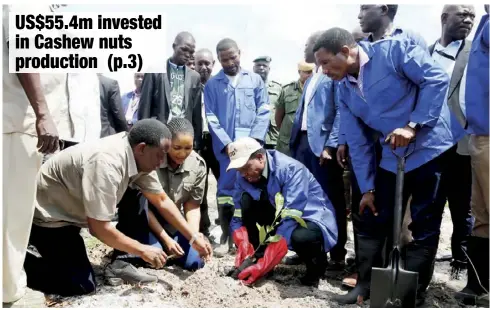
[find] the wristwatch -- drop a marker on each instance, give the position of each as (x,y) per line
(414,126)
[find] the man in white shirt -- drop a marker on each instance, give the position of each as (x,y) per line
(451,51)
(41,114)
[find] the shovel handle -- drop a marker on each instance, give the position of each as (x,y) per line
(400,176)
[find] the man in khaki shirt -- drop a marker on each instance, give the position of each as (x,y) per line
(80,187)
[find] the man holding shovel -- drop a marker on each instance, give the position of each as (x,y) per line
(279,205)
(397,82)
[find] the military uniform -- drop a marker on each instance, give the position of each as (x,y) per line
(274,89)
(288,100)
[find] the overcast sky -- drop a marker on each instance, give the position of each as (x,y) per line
(279,31)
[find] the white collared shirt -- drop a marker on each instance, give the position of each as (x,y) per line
(309,93)
(363,60)
(448,65)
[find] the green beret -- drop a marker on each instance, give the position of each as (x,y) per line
(263,58)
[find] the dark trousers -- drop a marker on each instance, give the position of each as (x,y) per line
(133,222)
(456,181)
(63,267)
(424,185)
(306,242)
(330,178)
(213,164)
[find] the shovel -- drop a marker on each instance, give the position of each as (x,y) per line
(395,287)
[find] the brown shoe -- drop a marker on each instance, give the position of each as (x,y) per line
(350,280)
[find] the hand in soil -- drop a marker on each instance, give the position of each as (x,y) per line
(173,248)
(203,247)
(154,256)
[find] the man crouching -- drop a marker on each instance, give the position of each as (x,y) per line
(279,205)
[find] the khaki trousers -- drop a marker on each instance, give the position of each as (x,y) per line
(21,162)
(478,149)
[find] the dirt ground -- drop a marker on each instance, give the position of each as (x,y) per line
(208,287)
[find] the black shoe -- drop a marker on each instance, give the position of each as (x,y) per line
(368,256)
(457,268)
(315,270)
(476,289)
(119,272)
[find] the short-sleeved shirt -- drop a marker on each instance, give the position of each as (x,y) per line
(186,182)
(89,180)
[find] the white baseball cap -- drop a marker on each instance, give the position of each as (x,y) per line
(240,151)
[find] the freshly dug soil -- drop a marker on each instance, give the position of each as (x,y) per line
(209,287)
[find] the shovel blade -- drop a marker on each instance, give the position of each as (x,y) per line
(386,295)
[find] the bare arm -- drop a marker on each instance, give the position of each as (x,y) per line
(192,214)
(156,228)
(279,116)
(46,130)
(172,215)
(109,235)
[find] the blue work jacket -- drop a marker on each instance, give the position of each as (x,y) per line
(476,96)
(302,194)
(399,34)
(322,120)
(232,113)
(401,84)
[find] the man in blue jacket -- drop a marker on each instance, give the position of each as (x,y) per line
(236,105)
(272,189)
(476,290)
(314,143)
(392,88)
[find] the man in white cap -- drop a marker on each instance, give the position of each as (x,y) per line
(275,190)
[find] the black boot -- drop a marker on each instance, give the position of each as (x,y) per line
(315,270)
(474,293)
(368,256)
(421,259)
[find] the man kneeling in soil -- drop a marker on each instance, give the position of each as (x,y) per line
(277,191)
(80,187)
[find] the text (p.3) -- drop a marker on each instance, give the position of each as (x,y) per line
(66,42)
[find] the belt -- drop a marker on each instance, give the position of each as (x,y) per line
(64,144)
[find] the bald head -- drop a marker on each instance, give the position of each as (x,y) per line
(204,53)
(457,22)
(184,45)
(204,64)
(184,36)
(310,43)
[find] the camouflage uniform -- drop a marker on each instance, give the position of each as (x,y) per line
(274,90)
(289,101)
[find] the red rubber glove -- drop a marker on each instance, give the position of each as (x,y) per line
(272,256)
(244,247)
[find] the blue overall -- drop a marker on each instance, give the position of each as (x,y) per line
(302,194)
(401,84)
(233,113)
(397,33)
(477,82)
(322,125)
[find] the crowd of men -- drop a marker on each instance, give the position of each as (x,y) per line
(291,161)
